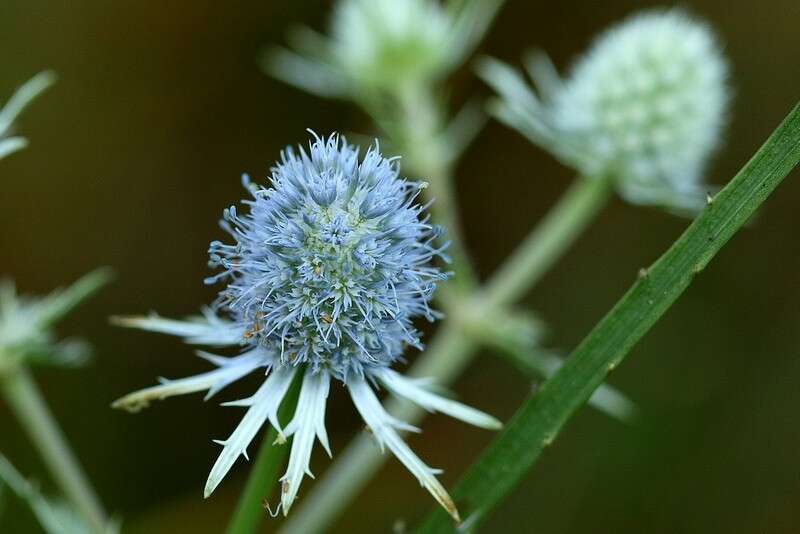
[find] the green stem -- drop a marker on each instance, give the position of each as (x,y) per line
(264,474)
(451,351)
(424,143)
(550,239)
(540,418)
(30,408)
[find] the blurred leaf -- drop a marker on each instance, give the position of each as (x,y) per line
(539,420)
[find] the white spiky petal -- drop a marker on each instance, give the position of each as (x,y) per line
(384,428)
(308,422)
(208,329)
(261,406)
(228,371)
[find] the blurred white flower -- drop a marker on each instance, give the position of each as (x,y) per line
(644,106)
(382,46)
(382,42)
(21,98)
(26,334)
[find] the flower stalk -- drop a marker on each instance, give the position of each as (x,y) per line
(25,399)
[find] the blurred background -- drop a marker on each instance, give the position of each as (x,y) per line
(137,149)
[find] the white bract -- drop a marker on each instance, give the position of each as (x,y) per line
(644,106)
(21,98)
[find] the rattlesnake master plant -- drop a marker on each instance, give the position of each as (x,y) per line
(377,47)
(326,272)
(644,106)
(21,98)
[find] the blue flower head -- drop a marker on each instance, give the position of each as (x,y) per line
(327,270)
(331,264)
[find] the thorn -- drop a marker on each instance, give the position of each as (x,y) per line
(643,272)
(709,199)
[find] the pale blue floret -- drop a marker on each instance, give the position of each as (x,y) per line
(327,270)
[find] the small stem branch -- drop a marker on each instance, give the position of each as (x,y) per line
(263,475)
(565,222)
(26,401)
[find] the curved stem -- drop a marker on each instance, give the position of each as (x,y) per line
(264,473)
(26,401)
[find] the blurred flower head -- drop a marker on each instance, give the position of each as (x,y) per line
(26,334)
(382,46)
(380,43)
(325,274)
(644,106)
(21,98)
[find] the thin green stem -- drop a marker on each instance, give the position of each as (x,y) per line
(263,476)
(560,228)
(25,399)
(424,143)
(540,418)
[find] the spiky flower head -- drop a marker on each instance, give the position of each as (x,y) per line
(26,324)
(327,270)
(332,263)
(21,98)
(644,106)
(382,46)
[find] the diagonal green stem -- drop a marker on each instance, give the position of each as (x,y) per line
(263,475)
(26,401)
(540,419)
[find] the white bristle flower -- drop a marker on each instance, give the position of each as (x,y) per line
(378,42)
(644,106)
(379,47)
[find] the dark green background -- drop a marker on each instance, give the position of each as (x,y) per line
(159,108)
